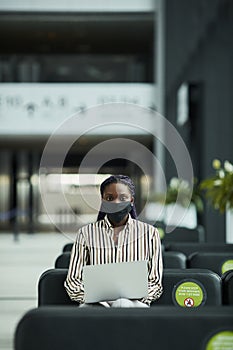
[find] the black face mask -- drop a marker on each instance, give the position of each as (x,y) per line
(116,212)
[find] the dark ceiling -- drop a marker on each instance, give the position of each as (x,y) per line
(41,33)
(83,145)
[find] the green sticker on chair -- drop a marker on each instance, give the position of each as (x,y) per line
(221,341)
(227,265)
(189,294)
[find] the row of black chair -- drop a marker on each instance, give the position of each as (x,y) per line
(163,328)
(218,262)
(178,234)
(183,234)
(215,261)
(59,324)
(179,284)
(186,248)
(217,257)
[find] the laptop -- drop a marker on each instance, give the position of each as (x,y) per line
(108,282)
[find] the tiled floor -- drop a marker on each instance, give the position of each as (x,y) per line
(21,264)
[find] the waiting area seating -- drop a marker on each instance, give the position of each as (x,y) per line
(188,248)
(207,286)
(127,329)
(184,247)
(51,289)
(174,260)
(184,234)
(227,287)
(204,283)
(58,323)
(62,261)
(218,262)
(67,247)
(178,234)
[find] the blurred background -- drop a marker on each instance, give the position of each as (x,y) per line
(58,58)
(174,57)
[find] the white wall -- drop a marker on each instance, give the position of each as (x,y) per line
(78,5)
(38,109)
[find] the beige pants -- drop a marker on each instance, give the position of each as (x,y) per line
(121,302)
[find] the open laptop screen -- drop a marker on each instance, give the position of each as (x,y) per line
(107,282)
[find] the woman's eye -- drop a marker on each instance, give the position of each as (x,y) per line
(108,198)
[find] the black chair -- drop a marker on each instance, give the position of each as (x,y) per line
(163,328)
(51,289)
(184,234)
(227,287)
(67,247)
(63,261)
(189,248)
(174,260)
(182,284)
(214,261)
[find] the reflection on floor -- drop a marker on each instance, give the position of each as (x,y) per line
(21,264)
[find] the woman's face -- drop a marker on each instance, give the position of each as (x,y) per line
(117,192)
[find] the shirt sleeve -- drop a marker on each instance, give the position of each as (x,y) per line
(73,283)
(155,270)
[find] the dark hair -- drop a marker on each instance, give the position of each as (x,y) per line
(123,179)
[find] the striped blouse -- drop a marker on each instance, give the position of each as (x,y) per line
(95,245)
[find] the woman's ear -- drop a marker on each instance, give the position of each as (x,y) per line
(132,201)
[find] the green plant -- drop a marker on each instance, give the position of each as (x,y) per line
(182,192)
(219,188)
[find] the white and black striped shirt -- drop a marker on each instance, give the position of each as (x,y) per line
(95,245)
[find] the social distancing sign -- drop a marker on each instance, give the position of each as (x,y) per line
(189,294)
(227,265)
(221,341)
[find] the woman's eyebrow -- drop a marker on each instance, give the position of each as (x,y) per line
(119,193)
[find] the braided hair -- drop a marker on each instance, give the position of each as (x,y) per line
(123,179)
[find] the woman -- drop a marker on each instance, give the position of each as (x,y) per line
(116,236)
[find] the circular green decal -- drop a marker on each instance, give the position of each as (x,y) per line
(189,294)
(221,341)
(228,265)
